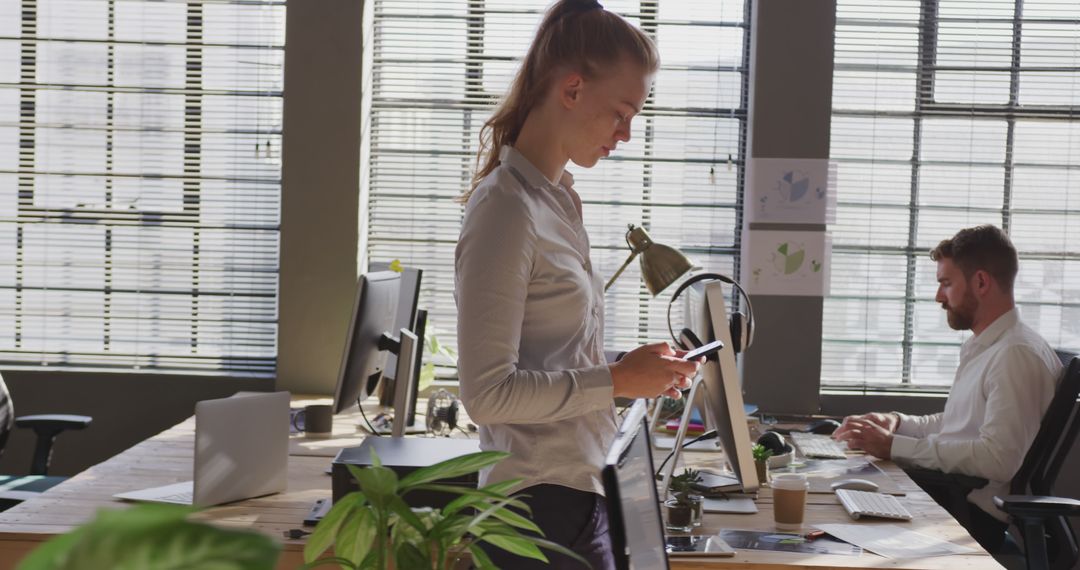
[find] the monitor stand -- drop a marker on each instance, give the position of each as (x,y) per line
(663,442)
(680,434)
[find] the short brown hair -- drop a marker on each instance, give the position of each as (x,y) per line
(985,248)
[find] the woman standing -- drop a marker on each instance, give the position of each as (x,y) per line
(530,305)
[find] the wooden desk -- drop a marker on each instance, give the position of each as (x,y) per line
(166,458)
(928,518)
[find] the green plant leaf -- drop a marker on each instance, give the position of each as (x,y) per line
(335,560)
(357,536)
(327,529)
(495,491)
(477,495)
(405,513)
(515,544)
(378,484)
(513,519)
(455,467)
(548,545)
(481,558)
(153,539)
(409,557)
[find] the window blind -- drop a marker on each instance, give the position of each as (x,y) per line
(140,176)
(437,70)
(948,114)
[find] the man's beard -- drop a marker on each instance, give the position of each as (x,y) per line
(963,317)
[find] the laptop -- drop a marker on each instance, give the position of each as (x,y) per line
(635,526)
(241,451)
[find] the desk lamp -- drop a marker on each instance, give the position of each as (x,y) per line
(661,265)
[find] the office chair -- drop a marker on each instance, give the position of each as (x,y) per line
(1048,537)
(16,489)
(1036,474)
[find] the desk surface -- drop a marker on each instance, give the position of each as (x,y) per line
(166,458)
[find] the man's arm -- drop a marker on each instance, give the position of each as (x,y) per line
(918,426)
(1018,388)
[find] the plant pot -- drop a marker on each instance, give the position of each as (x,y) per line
(678,516)
(762,471)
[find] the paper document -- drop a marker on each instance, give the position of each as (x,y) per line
(893,541)
(736,504)
(786,542)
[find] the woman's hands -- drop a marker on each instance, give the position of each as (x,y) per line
(653,370)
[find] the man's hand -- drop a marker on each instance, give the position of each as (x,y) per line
(866,435)
(652,370)
(888,422)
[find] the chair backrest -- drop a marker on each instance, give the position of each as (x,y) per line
(1047,454)
(1055,438)
(7,415)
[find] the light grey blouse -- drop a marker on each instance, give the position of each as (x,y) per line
(530,329)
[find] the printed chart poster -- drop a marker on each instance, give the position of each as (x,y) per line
(786,263)
(790,190)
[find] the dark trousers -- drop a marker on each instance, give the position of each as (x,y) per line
(575,519)
(985,529)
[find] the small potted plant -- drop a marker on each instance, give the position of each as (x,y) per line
(761,461)
(684,507)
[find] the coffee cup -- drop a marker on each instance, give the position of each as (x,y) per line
(316,421)
(789,500)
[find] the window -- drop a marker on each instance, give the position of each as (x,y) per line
(140,176)
(948,114)
(438,68)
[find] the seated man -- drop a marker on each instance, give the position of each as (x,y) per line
(1005,381)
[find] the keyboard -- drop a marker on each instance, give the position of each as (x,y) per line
(820,446)
(866,504)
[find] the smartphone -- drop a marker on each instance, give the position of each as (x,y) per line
(706,350)
(698,546)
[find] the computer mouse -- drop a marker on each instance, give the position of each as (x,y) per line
(774,442)
(824,427)
(855,485)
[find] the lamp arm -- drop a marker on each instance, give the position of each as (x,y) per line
(626,263)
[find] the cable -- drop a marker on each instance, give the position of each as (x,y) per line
(703,437)
(371,428)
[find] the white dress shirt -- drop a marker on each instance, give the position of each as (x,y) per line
(530,330)
(1004,383)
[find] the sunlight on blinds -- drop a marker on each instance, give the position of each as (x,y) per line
(140,161)
(948,114)
(439,67)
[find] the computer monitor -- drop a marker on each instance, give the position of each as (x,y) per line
(722,393)
(405,318)
(368,338)
(635,526)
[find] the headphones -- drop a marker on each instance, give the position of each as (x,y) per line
(741,325)
(442,412)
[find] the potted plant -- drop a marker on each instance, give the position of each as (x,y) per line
(684,507)
(761,461)
(374,528)
(371,529)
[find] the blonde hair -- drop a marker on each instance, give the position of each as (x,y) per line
(579,35)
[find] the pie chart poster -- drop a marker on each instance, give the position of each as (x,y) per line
(791,263)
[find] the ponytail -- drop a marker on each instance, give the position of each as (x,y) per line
(574,34)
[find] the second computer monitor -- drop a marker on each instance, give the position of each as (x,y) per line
(637,533)
(366,349)
(708,317)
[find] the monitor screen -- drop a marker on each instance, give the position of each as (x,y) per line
(405,318)
(636,529)
(720,380)
(373,315)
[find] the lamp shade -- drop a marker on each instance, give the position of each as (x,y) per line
(661,265)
